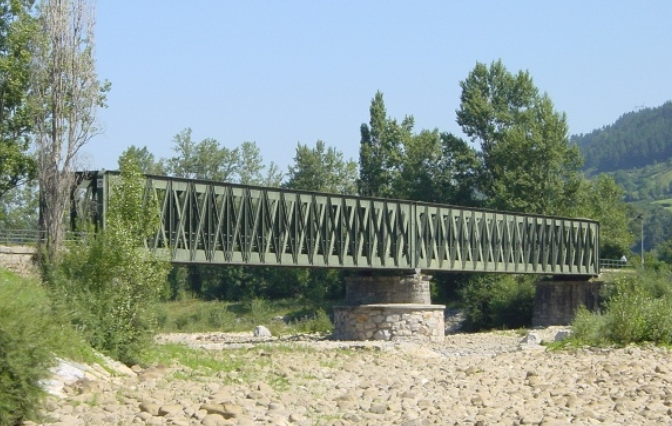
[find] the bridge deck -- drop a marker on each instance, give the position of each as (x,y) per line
(206,222)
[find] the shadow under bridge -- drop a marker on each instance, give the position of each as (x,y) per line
(207,222)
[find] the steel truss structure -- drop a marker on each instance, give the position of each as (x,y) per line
(204,222)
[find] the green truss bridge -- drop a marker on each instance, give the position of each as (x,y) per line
(206,222)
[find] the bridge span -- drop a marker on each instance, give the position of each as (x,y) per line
(207,222)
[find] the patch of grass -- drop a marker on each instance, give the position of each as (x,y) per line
(190,316)
(31,333)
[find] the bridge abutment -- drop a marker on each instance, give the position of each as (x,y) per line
(393,308)
(19,259)
(556,302)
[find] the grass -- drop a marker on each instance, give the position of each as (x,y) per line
(280,317)
(32,334)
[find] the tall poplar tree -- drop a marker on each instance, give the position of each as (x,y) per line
(381,150)
(67,93)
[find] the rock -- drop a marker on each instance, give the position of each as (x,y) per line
(261,331)
(170,410)
(382,335)
(150,407)
(531,339)
(214,420)
(562,335)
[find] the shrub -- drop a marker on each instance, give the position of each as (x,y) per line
(25,328)
(109,280)
(638,309)
(31,332)
(491,301)
(317,323)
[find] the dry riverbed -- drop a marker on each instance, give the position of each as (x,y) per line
(472,379)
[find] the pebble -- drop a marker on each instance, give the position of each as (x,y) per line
(473,379)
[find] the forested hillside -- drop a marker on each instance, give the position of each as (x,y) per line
(635,140)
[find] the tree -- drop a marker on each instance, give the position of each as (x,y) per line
(438,168)
(17,29)
(604,201)
(66,93)
(250,167)
(203,160)
(528,164)
(145,160)
(109,281)
(322,169)
(381,150)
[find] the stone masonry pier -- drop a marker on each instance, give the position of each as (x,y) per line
(389,308)
(556,302)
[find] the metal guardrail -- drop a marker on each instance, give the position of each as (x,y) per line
(615,264)
(20,237)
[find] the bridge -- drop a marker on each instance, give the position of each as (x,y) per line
(207,222)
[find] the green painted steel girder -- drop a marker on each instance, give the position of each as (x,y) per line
(205,222)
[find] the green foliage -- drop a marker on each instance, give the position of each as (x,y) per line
(638,309)
(322,170)
(17,30)
(19,208)
(636,139)
(603,201)
(317,323)
(381,150)
(588,328)
(109,280)
(528,164)
(31,332)
(208,160)
(25,328)
(498,301)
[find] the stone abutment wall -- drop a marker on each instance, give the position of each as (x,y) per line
(18,259)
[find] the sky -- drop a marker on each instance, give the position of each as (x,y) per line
(281,72)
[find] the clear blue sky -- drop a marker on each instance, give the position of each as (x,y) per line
(283,72)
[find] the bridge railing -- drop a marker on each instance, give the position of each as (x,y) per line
(30,237)
(614,264)
(19,236)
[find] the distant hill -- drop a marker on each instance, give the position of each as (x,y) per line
(637,139)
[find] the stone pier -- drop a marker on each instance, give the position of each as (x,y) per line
(389,308)
(556,302)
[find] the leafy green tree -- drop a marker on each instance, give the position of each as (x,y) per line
(202,160)
(528,162)
(250,167)
(110,281)
(437,167)
(145,160)
(17,29)
(606,205)
(19,208)
(322,169)
(381,150)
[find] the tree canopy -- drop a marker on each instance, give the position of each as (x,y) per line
(528,164)
(17,30)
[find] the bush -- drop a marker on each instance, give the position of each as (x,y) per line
(496,301)
(25,328)
(638,308)
(31,332)
(108,280)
